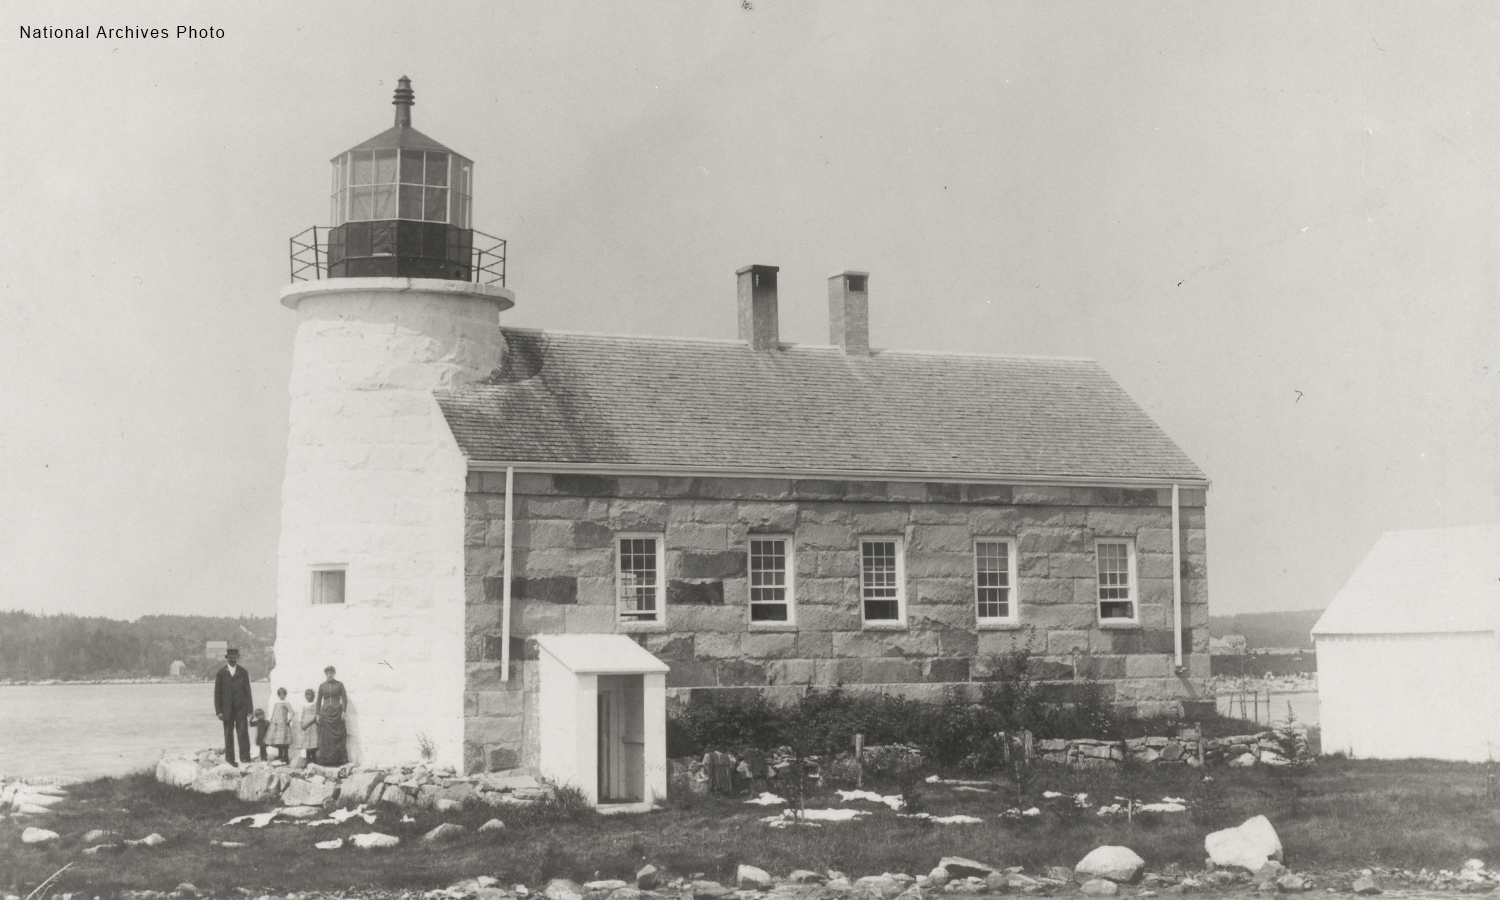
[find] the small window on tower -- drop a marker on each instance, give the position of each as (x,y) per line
(327,586)
(856,282)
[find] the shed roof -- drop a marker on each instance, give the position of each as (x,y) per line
(611,400)
(600,654)
(1436,580)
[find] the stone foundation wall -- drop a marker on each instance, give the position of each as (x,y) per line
(564,582)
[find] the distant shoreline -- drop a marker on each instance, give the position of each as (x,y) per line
(145,679)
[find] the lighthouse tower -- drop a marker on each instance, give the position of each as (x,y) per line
(396,302)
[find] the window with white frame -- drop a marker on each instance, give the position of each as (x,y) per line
(327,586)
(882,581)
(771,580)
(995,580)
(1116,560)
(638,579)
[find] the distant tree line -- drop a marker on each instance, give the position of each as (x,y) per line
(83,648)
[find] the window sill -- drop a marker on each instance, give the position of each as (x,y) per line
(999,625)
(773,626)
(883,626)
(636,627)
(1118,624)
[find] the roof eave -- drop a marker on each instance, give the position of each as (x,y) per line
(1158,481)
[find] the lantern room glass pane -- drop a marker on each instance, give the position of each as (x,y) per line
(411,201)
(435,204)
(465,176)
(437,169)
(411,166)
(364,167)
(385,166)
(361,204)
(385,200)
(460,211)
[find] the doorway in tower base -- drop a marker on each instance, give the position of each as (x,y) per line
(602,703)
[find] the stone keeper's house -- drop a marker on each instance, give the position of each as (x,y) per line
(517,545)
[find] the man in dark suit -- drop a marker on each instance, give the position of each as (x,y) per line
(233,703)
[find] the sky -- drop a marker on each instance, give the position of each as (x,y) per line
(1273,223)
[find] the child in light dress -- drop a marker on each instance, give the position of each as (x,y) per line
(280,733)
(307,727)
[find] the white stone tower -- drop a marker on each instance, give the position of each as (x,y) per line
(370,574)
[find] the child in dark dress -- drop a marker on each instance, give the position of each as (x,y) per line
(260,723)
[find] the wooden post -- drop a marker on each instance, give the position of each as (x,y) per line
(859,761)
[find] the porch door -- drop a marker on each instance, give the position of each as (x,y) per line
(621,739)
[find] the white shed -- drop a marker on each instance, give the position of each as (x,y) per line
(1408,652)
(603,709)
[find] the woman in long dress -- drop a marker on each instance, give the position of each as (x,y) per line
(280,733)
(331,735)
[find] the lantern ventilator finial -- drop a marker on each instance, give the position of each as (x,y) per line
(405,96)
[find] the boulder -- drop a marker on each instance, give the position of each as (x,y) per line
(1243,761)
(938,876)
(1291,884)
(151,840)
(101,848)
(444,832)
(99,835)
(301,792)
(39,836)
(996,883)
(563,889)
(604,884)
(1118,864)
(1248,845)
(221,779)
(803,876)
(300,812)
(458,793)
(706,890)
(177,771)
(750,878)
(1060,873)
(1100,887)
(443,804)
(1366,883)
(493,825)
(877,887)
(1268,873)
(647,878)
(263,786)
(358,787)
(959,867)
(490,893)
(396,795)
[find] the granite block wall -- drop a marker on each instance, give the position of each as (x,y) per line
(564,581)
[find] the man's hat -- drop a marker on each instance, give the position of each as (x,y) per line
(231,650)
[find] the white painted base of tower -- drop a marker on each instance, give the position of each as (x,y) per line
(375,486)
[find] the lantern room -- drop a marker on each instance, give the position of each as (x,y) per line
(400,205)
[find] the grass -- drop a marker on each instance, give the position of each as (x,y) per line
(1332,817)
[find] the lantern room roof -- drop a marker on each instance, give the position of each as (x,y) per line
(401,136)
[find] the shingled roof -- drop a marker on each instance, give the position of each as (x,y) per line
(706,405)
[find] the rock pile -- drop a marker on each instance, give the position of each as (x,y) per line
(422,784)
(1239,750)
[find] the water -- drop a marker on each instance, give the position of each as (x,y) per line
(1304,705)
(105,729)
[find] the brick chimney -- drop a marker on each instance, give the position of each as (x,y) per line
(849,312)
(757,300)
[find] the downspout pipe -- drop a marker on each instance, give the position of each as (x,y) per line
(1176,575)
(510,522)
